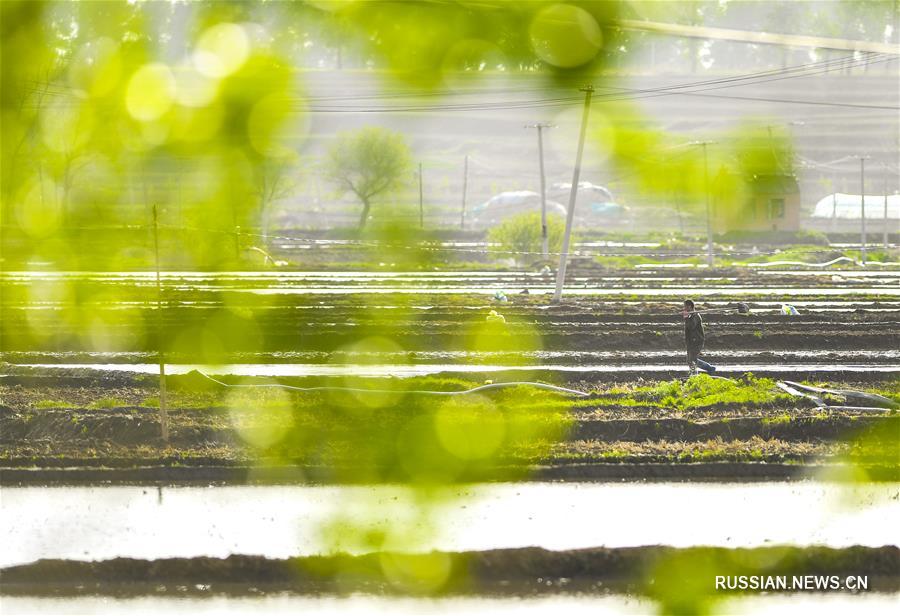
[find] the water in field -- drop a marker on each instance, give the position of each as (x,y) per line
(655,291)
(425,369)
(365,605)
(62,359)
(844,283)
(96,523)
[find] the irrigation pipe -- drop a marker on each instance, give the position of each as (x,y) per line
(867,409)
(779,263)
(545,386)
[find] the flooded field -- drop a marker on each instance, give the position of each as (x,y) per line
(150,522)
(363,605)
(421,369)
(643,283)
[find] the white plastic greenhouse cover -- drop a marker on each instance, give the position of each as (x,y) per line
(840,205)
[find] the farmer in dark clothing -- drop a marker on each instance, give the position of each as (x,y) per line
(694,338)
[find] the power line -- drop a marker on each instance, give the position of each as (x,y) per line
(796,71)
(793,72)
(632,93)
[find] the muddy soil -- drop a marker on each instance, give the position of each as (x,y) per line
(834,316)
(523,571)
(327,326)
(103,422)
(212,472)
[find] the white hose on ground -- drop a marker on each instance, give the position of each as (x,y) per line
(545,386)
(867,409)
(779,263)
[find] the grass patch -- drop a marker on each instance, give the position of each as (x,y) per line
(754,449)
(49,404)
(781,419)
(630,261)
(801,253)
(699,391)
(702,390)
(107,403)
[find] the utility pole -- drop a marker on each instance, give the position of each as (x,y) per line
(163,410)
(573,193)
(545,242)
(885,205)
(709,234)
(862,208)
(421,208)
(462,214)
(833,209)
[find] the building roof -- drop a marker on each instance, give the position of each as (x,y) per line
(773,184)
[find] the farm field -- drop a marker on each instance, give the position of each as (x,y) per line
(425,307)
(617,338)
(81,409)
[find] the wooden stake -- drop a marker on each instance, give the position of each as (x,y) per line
(163,409)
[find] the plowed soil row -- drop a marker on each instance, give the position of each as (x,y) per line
(327,327)
(492,572)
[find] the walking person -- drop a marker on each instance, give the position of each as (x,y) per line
(694,337)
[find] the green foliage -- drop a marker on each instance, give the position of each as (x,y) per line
(777,238)
(430,43)
(522,234)
(107,403)
(397,435)
(628,262)
(784,418)
(369,163)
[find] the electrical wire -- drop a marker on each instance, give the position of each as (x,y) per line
(793,72)
(632,93)
(841,63)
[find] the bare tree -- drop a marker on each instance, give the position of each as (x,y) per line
(369,163)
(30,103)
(274,179)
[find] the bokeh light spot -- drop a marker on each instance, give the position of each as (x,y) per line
(151,92)
(565,36)
(265,124)
(261,419)
(470,429)
(194,89)
(39,213)
(65,130)
(96,68)
(221,50)
(417,573)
